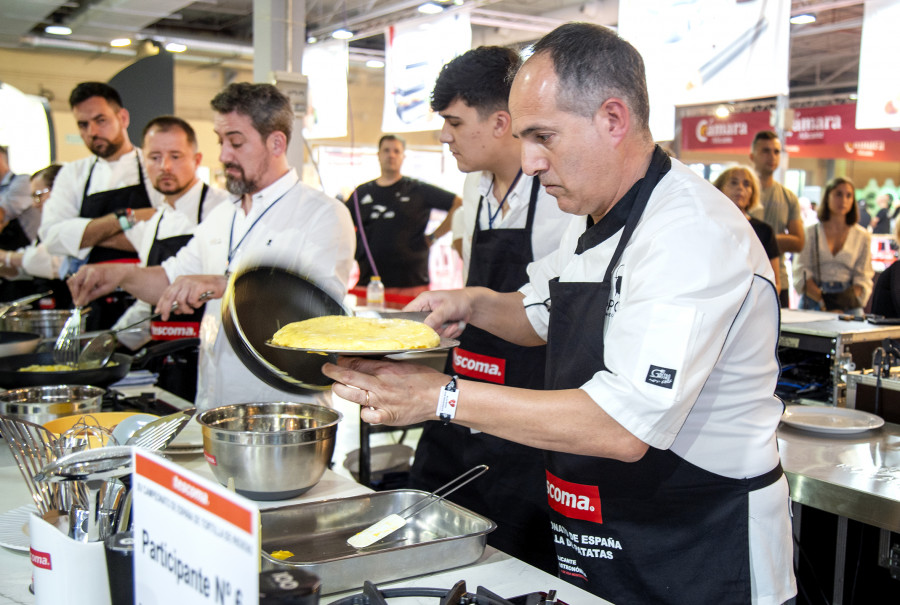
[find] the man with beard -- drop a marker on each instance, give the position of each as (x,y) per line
(172,158)
(277,220)
(111,181)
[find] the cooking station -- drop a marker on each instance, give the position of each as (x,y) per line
(497,572)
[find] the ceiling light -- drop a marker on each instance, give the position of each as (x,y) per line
(175,47)
(803,19)
(120,42)
(375,64)
(342,34)
(723,111)
(430,8)
(58,30)
(312,40)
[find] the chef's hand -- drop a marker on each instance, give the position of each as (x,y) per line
(450,310)
(395,393)
(188,291)
(93,281)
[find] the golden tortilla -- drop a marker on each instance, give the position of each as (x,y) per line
(341,333)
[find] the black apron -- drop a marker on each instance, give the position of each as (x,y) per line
(177,371)
(106,310)
(660,530)
(512,493)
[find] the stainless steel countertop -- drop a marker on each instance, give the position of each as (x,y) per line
(855,476)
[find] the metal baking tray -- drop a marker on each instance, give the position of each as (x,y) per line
(441,537)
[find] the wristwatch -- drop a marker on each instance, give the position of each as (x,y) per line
(126,219)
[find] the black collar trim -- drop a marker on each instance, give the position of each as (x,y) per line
(610,224)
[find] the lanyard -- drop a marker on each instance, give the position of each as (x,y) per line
(491,217)
(231,250)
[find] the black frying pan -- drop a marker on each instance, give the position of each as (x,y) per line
(256,304)
(11,378)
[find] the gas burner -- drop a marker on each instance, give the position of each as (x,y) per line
(372,595)
(147,403)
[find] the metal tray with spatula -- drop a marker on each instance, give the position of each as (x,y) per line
(440,537)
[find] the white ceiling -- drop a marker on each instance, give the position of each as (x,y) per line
(824,55)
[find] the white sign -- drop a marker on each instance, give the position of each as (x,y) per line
(326,65)
(194,541)
(415,52)
(707,51)
(878,105)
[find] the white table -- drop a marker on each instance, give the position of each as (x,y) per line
(497,571)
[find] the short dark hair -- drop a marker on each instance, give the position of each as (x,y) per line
(824,212)
(167,123)
(87,90)
(480,78)
(267,107)
(391,137)
(764,135)
(593,63)
(47,174)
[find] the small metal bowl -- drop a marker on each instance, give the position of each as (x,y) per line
(271,451)
(46,403)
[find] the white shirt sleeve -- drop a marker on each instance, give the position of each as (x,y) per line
(61,227)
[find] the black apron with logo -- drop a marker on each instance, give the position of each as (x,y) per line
(177,371)
(660,530)
(512,492)
(106,310)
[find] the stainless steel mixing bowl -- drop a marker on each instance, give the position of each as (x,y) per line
(272,451)
(45,403)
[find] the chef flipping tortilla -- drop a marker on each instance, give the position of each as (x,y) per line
(658,414)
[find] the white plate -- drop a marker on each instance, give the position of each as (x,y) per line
(12,528)
(829,419)
(446,343)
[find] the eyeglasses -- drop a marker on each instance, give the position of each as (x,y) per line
(38,195)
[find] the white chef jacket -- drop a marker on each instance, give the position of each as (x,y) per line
(685,303)
(62,227)
(549,220)
(172,222)
(38,262)
(304,231)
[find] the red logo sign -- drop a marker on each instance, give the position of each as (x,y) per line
(574,500)
(173,330)
(482,367)
(210,458)
(41,559)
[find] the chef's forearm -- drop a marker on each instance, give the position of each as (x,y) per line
(563,421)
(502,314)
(145,283)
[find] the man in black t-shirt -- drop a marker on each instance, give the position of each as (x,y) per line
(394,211)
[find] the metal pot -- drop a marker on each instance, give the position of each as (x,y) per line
(259,301)
(42,404)
(46,322)
(272,451)
(18,343)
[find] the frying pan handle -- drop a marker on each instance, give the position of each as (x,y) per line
(155,351)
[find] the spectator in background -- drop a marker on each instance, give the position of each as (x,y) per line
(881,222)
(834,270)
(865,219)
(390,215)
(740,185)
(779,206)
(19,220)
(32,266)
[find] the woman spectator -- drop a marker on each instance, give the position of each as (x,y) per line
(741,186)
(834,270)
(34,262)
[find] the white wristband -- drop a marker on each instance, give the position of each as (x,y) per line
(449,398)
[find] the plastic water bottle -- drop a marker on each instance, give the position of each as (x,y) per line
(375,293)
